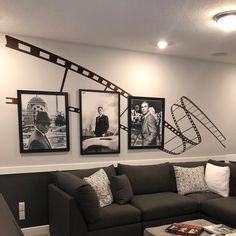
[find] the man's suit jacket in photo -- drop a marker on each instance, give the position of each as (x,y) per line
(102,125)
(38,141)
(149,130)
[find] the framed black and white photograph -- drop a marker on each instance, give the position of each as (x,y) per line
(43,121)
(145,122)
(99,122)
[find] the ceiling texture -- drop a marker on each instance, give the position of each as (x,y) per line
(126,24)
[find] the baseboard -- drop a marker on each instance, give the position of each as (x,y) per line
(73,166)
(42,230)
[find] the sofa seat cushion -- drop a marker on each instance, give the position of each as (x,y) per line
(163,205)
(201,197)
(116,215)
(222,209)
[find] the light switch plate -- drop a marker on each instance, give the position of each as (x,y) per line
(21,206)
(21,215)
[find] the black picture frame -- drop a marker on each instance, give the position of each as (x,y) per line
(43,121)
(146,132)
(95,137)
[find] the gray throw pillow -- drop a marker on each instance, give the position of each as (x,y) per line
(83,193)
(121,189)
(190,180)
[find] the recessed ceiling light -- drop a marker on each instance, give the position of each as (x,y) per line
(162,44)
(226,20)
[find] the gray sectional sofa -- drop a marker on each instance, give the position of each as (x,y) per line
(155,202)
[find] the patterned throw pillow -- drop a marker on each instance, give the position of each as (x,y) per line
(101,184)
(190,180)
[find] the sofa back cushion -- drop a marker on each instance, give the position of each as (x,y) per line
(83,193)
(147,179)
(232,166)
(110,171)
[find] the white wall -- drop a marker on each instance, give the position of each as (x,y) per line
(210,85)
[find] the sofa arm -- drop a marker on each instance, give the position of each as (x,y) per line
(65,218)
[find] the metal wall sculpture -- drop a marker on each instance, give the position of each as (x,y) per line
(184,109)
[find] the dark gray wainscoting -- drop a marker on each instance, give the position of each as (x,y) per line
(31,188)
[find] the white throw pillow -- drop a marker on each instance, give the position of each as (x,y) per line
(217,179)
(190,180)
(101,184)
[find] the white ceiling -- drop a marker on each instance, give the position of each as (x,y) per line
(125,24)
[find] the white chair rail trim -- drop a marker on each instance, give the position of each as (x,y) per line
(85,165)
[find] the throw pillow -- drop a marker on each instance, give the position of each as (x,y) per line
(83,193)
(217,179)
(101,184)
(190,180)
(232,178)
(191,164)
(121,189)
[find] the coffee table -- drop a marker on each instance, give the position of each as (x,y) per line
(160,230)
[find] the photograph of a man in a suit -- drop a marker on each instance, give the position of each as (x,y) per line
(149,126)
(102,123)
(38,139)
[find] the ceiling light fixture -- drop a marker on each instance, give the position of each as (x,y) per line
(226,20)
(162,44)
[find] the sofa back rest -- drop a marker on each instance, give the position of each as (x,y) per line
(186,165)
(110,171)
(232,166)
(148,179)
